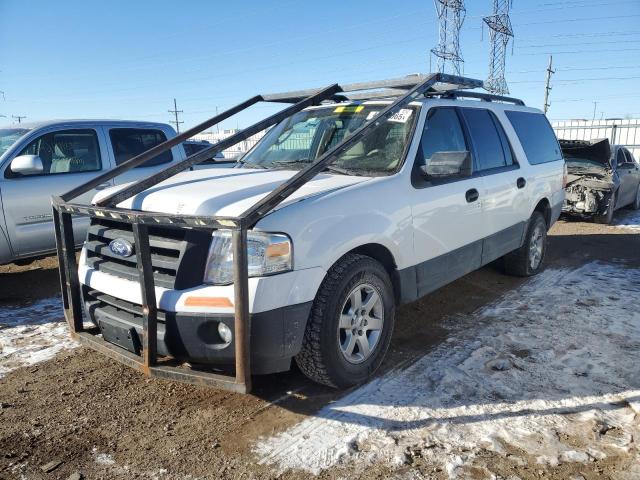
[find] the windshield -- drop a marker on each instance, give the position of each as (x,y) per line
(8,136)
(305,136)
(581,162)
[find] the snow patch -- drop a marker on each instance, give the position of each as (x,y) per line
(628,219)
(32,333)
(554,359)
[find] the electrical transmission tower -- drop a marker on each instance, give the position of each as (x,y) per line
(175,111)
(500,32)
(19,117)
(451,15)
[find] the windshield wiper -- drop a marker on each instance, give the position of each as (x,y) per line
(342,171)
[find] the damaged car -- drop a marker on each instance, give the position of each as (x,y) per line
(601,179)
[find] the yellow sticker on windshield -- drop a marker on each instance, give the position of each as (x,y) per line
(349,109)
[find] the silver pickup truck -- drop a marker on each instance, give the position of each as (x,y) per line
(38,160)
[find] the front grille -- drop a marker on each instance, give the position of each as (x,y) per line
(118,308)
(178,255)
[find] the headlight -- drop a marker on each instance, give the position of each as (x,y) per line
(267,253)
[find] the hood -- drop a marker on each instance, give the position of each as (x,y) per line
(590,154)
(225,191)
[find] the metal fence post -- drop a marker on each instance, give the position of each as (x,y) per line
(147,289)
(242,323)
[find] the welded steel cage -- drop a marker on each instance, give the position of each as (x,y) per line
(401,91)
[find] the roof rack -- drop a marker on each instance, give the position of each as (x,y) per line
(64,211)
(393,87)
(486,97)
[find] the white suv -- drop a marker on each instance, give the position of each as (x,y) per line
(428,195)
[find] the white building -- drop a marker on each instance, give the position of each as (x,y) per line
(235,151)
(618,131)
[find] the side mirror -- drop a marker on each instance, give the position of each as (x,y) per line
(448,164)
(27,165)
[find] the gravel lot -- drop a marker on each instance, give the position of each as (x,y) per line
(489,377)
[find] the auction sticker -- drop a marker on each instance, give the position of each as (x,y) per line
(402,116)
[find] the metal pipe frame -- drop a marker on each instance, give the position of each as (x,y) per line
(63,210)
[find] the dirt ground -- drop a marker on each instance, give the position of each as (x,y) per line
(84,414)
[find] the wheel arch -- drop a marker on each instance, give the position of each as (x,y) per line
(544,207)
(383,255)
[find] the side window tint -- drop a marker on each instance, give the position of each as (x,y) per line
(67,151)
(629,156)
(131,142)
(620,157)
(442,133)
(536,137)
(486,139)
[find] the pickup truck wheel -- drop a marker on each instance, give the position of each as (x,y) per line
(527,260)
(350,324)
(607,218)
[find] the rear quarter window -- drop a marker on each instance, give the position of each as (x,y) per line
(536,137)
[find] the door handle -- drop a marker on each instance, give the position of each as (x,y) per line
(102,186)
(472,195)
(521,182)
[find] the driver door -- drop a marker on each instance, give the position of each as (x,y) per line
(69,158)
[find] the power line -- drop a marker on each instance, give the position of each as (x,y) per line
(175,111)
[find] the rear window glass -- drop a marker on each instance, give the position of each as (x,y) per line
(536,137)
(131,142)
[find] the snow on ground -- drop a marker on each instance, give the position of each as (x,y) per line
(551,369)
(32,333)
(629,219)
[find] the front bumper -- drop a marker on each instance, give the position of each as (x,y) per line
(276,335)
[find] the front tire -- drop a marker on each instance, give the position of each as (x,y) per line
(528,259)
(636,203)
(607,218)
(350,325)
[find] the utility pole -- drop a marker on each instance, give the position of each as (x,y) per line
(547,87)
(595,105)
(19,117)
(175,111)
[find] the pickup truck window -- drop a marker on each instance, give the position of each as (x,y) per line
(536,136)
(442,133)
(130,142)
(488,139)
(8,136)
(307,135)
(65,151)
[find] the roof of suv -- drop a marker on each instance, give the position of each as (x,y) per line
(72,122)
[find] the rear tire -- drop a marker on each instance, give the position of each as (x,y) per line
(528,259)
(607,218)
(350,325)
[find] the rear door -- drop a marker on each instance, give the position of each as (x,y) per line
(125,143)
(506,200)
(70,157)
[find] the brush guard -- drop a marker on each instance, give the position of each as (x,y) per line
(403,91)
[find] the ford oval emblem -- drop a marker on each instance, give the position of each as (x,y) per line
(121,247)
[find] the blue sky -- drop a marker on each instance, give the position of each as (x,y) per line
(126,59)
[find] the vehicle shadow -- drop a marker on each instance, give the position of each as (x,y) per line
(584,346)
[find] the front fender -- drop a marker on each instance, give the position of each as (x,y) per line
(324,228)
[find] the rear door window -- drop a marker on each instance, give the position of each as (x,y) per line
(490,143)
(131,142)
(536,136)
